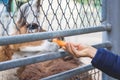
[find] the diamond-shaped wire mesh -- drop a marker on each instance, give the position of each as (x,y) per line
(50,15)
(90,75)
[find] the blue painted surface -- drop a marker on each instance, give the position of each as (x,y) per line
(5,1)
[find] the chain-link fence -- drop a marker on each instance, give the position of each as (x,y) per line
(51,15)
(57,17)
(84,73)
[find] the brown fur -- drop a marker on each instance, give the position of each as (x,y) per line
(23,30)
(47,68)
(38,70)
(6,53)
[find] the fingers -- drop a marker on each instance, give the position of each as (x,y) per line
(79,46)
(75,51)
(68,48)
(79,53)
(71,49)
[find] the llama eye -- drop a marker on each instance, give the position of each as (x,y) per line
(32,27)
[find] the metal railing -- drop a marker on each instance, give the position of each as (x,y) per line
(61,18)
(40,58)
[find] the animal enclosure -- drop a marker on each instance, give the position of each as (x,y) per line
(59,18)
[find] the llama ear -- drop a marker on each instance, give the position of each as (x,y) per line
(21,19)
(21,22)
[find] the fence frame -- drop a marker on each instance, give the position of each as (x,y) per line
(48,35)
(110,14)
(40,58)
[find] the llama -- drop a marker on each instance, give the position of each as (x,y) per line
(38,70)
(13,52)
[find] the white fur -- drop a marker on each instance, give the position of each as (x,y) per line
(29,14)
(36,50)
(45,47)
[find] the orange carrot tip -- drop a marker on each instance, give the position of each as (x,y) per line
(59,42)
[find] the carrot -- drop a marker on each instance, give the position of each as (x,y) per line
(59,42)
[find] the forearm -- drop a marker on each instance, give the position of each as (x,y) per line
(107,62)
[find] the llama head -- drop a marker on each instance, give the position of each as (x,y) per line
(27,29)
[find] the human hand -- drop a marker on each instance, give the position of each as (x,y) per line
(80,50)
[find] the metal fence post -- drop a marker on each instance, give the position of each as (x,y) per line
(111,15)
